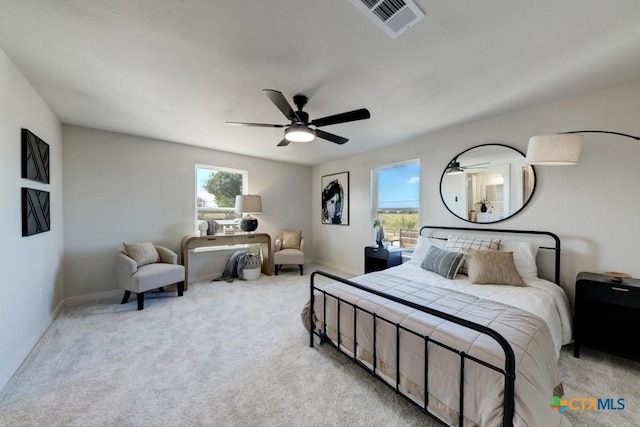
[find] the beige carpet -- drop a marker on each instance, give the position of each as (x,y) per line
(234,354)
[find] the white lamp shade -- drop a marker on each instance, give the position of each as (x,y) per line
(558,149)
(248,203)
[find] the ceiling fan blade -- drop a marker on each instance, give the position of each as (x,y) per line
(284,142)
(349,116)
(263,125)
(281,102)
(475,164)
(330,137)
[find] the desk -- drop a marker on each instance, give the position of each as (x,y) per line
(192,242)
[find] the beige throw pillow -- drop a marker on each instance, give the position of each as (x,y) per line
(492,267)
(291,239)
(142,253)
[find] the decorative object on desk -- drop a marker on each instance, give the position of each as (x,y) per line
(203,226)
(616,276)
(246,205)
(562,148)
(35,157)
(212,227)
(378,225)
(35,211)
(335,199)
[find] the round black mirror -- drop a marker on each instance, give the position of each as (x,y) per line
(487,183)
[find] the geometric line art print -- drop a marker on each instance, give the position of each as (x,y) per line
(35,211)
(35,157)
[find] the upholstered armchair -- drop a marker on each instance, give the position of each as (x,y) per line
(141,267)
(289,250)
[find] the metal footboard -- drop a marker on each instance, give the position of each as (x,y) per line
(508,371)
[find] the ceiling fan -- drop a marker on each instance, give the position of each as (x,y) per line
(454,167)
(300,130)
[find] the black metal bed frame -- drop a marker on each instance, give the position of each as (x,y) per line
(508,371)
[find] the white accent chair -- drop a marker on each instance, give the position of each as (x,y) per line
(289,250)
(154,275)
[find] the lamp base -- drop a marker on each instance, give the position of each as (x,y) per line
(248,224)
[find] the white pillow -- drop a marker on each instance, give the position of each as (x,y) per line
(422,247)
(524,257)
(457,243)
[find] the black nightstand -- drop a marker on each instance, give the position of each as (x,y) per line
(607,315)
(376,258)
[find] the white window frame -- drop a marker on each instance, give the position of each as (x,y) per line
(374,186)
(245,186)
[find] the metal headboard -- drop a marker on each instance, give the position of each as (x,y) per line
(555,248)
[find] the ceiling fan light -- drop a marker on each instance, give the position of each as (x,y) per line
(299,133)
(454,168)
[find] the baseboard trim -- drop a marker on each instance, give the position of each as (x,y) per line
(93,297)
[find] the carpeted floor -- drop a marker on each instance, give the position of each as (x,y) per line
(234,354)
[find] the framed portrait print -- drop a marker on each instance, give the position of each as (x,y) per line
(335,199)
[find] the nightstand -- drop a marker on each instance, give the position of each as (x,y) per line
(607,315)
(376,258)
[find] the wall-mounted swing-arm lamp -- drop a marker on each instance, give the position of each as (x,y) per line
(562,148)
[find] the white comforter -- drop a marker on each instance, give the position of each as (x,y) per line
(542,298)
(538,304)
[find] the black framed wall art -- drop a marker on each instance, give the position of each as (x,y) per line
(35,157)
(335,198)
(35,211)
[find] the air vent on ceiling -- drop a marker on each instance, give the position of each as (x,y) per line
(393,16)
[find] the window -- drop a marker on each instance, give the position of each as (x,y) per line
(396,200)
(216,191)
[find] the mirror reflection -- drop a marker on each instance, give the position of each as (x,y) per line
(487,183)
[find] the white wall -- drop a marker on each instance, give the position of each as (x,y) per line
(32,274)
(592,206)
(126,188)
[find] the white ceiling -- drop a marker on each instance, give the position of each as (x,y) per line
(178,69)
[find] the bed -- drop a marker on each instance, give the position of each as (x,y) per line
(488,353)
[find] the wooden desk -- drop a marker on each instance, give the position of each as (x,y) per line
(192,242)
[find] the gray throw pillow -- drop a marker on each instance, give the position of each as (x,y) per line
(442,262)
